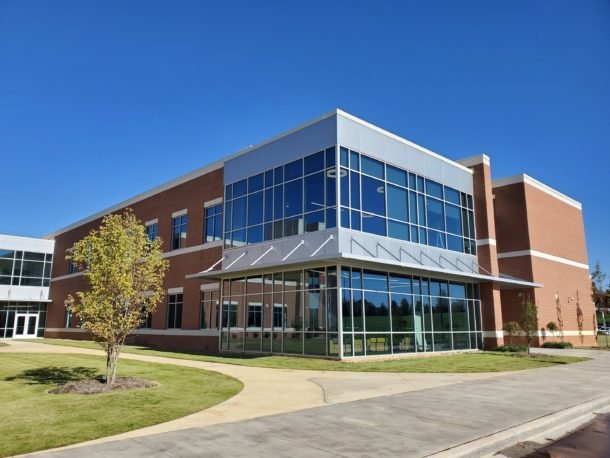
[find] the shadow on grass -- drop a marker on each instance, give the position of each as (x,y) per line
(54,375)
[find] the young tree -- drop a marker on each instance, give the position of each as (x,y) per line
(530,322)
(552,327)
(600,293)
(511,328)
(125,271)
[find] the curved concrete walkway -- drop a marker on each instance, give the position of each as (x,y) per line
(270,391)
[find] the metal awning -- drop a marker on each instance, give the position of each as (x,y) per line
(503,281)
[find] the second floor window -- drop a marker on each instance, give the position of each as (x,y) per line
(213,224)
(174,311)
(179,229)
(152,231)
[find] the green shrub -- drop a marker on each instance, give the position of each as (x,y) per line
(511,348)
(557,345)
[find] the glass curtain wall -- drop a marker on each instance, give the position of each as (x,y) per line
(385,200)
(391,313)
(291,199)
(292,312)
(25,268)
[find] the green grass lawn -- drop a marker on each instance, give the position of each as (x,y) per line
(455,363)
(33,419)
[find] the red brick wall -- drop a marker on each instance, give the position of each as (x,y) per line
(528,218)
(190,195)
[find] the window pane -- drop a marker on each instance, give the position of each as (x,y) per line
(434,189)
(268,204)
(239,213)
(344,217)
(278,202)
(278,175)
(293,170)
(331,188)
(293,226)
(229,192)
(255,234)
(314,162)
(358,311)
(314,192)
(294,198)
(374,190)
(331,218)
(372,167)
(453,218)
(376,281)
(344,187)
(355,190)
(314,221)
(344,156)
(397,176)
(400,284)
(397,203)
(373,224)
(402,312)
(452,195)
(435,213)
(268,178)
(240,188)
(459,316)
(398,230)
(330,157)
(436,239)
(455,243)
(355,220)
(255,208)
(376,311)
(255,183)
(354,160)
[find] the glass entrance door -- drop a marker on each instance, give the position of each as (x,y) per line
(26,325)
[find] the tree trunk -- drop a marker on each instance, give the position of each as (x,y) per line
(112,359)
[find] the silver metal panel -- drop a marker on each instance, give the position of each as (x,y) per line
(295,145)
(382,248)
(290,250)
(388,149)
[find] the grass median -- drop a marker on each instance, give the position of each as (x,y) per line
(450,363)
(32,419)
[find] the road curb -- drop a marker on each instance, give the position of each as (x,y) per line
(571,418)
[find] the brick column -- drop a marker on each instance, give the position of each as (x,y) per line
(487,254)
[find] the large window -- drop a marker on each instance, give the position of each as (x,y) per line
(179,230)
(384,313)
(174,311)
(25,268)
(9,310)
(291,199)
(213,224)
(283,312)
(385,200)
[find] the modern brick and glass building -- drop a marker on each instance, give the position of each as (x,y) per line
(340,239)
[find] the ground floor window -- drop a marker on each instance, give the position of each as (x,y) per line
(174,311)
(22,319)
(209,305)
(298,312)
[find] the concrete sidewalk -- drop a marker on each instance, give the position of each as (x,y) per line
(416,423)
(270,391)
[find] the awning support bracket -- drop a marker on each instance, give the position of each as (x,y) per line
(209,269)
(263,255)
(301,243)
(236,259)
(330,237)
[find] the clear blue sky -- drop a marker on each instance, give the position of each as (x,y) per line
(102,100)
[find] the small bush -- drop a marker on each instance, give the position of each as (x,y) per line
(557,345)
(511,348)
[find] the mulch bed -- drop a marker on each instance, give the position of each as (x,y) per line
(95,386)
